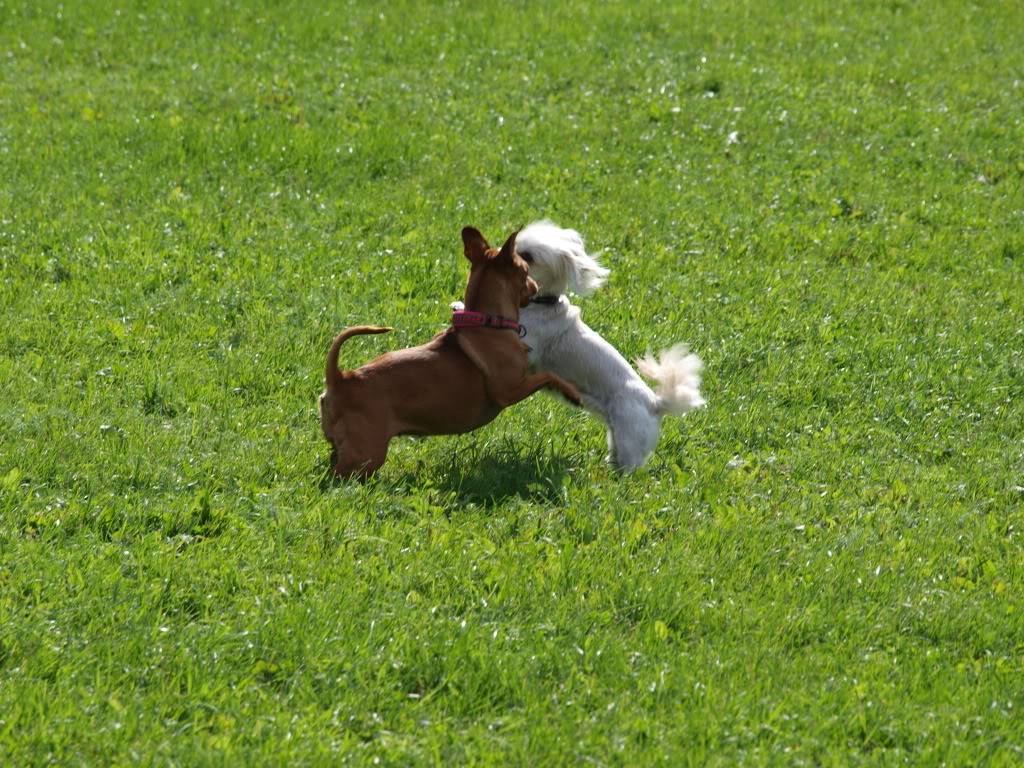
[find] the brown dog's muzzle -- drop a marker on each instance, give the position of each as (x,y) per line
(531,291)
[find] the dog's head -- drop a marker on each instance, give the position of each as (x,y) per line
(558,261)
(499,280)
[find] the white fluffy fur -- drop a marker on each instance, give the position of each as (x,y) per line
(562,343)
(559,262)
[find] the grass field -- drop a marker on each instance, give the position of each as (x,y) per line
(824,567)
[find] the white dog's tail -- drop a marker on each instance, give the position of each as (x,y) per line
(677,375)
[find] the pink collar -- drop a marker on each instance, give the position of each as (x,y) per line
(466,319)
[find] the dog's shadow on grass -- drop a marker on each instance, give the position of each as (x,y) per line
(472,474)
(486,476)
(496,474)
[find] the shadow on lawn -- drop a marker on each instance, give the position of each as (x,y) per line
(497,474)
(487,476)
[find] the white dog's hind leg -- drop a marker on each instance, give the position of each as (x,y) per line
(632,436)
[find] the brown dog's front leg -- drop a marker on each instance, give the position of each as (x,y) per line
(526,387)
(505,393)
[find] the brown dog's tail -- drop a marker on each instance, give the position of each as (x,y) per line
(332,374)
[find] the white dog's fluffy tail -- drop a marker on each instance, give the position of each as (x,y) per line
(677,375)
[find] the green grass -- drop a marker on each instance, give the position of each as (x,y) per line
(824,567)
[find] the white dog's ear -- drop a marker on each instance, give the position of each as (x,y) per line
(585,274)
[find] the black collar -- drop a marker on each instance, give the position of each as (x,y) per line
(545,299)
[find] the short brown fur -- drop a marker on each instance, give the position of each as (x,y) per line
(458,381)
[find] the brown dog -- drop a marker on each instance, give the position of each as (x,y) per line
(458,381)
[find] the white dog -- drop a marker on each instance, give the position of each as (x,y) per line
(562,343)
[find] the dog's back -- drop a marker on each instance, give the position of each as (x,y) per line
(432,389)
(565,345)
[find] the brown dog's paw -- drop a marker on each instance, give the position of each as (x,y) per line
(572,395)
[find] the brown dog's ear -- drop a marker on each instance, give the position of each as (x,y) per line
(474,243)
(509,248)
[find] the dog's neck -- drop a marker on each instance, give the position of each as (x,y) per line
(547,299)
